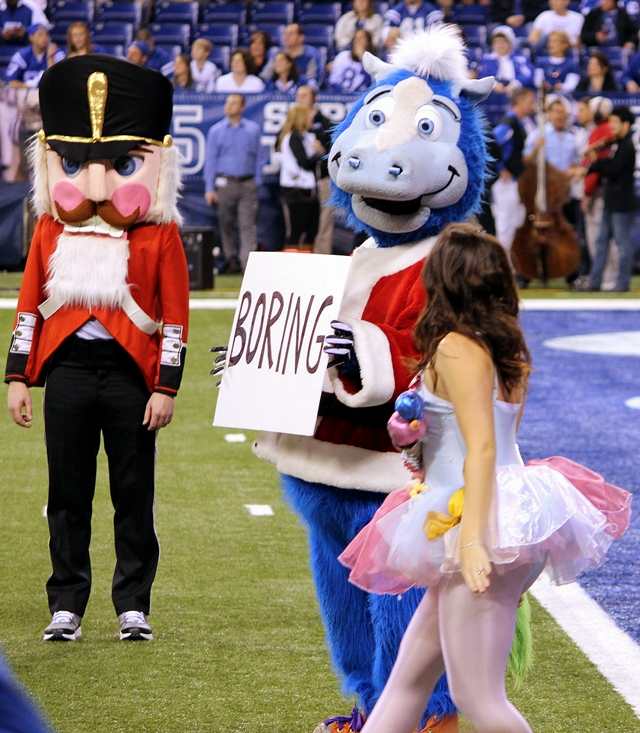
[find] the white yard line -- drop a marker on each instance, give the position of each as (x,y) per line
(614,652)
(259,510)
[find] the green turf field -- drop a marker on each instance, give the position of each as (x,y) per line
(239,644)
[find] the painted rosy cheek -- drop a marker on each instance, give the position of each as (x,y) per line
(130,196)
(67,196)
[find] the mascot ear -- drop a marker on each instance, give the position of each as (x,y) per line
(475,90)
(375,67)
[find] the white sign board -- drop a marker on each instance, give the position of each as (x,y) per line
(275,364)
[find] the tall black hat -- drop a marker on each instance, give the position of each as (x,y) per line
(98,106)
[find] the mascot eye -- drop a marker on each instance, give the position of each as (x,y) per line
(127,165)
(382,111)
(71,167)
(429,122)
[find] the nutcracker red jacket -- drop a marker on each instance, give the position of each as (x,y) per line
(159,283)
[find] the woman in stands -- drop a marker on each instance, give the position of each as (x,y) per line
(599,77)
(242,78)
(260,44)
(300,152)
(558,71)
(286,77)
(363,16)
(79,40)
(509,69)
(182,79)
(347,72)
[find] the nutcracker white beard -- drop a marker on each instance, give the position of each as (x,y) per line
(89,271)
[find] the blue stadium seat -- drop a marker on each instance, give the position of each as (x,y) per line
(319,35)
(324,13)
(171,48)
(469,14)
(6,52)
(167,12)
(323,52)
(380,6)
(272,12)
(178,34)
(119,33)
(221,57)
(58,32)
(476,35)
(235,13)
(222,34)
(618,56)
(114,49)
(275,30)
(120,12)
(72,11)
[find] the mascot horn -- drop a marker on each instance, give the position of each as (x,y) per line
(409,159)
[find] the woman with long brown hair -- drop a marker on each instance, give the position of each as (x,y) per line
(299,151)
(477,526)
(79,40)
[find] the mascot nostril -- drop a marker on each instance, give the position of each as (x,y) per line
(415,161)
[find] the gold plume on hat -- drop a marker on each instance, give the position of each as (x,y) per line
(97,86)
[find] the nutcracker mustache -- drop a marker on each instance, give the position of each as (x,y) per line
(106,210)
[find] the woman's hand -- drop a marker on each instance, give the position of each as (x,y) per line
(476,567)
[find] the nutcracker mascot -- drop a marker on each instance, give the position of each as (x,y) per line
(409,158)
(102,319)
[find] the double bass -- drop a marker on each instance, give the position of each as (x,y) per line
(545,246)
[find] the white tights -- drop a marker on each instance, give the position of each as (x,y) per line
(467,634)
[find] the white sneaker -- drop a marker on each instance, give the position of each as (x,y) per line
(134,626)
(64,626)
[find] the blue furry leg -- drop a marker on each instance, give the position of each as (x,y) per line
(364,630)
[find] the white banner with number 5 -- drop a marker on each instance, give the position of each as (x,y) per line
(275,365)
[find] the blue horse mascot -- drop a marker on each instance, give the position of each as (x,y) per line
(409,159)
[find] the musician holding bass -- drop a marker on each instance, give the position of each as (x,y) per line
(619,201)
(561,150)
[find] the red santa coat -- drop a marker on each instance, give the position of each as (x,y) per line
(351,449)
(159,283)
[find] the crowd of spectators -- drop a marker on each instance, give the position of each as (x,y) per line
(585,46)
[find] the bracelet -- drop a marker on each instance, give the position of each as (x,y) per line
(470,544)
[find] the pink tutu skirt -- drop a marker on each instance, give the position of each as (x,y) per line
(552,512)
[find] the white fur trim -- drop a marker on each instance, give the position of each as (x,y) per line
(370,264)
(165,208)
(37,158)
(376,367)
(88,271)
(437,51)
(344,466)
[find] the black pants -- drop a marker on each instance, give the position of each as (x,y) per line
(301,208)
(95,387)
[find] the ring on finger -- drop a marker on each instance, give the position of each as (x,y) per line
(480,571)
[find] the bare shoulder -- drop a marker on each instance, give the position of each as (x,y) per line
(458,346)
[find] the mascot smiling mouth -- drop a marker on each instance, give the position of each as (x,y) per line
(397,216)
(404,208)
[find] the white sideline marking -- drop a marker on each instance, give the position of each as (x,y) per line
(44,510)
(235,437)
(626,343)
(546,304)
(259,510)
(581,304)
(613,651)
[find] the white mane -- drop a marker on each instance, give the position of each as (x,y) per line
(438,52)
